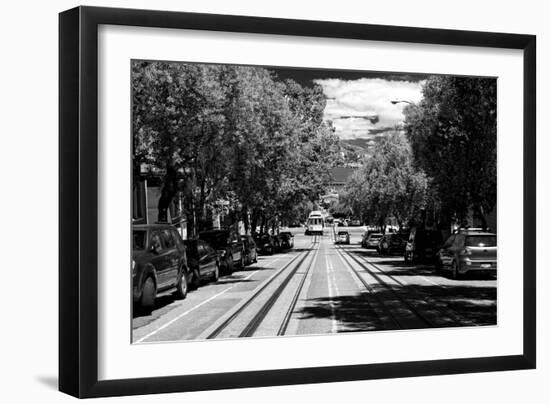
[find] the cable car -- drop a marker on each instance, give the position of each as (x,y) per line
(315,223)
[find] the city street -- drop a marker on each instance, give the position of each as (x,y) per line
(317,288)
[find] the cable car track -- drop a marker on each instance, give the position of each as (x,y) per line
(430,300)
(252,325)
(413,308)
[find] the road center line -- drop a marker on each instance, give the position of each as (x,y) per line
(333,328)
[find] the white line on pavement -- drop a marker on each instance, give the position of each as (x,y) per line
(331,294)
(196,307)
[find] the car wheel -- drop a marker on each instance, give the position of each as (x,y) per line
(196,278)
(216,273)
(230,266)
(454,271)
(148,294)
(181,286)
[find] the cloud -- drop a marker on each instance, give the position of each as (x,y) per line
(364,98)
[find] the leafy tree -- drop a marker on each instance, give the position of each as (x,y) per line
(178,126)
(453,136)
(388,185)
(230,133)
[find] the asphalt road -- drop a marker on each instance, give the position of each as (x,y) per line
(317,288)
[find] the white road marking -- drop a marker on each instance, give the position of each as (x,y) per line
(196,307)
(331,294)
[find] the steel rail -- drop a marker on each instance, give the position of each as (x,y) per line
(429,300)
(389,287)
(257,292)
(253,324)
(370,289)
(290,310)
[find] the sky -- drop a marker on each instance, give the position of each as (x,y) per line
(359,103)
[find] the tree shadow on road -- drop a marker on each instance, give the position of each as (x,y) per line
(401,268)
(160,303)
(453,306)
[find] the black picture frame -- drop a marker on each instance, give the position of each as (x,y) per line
(78,200)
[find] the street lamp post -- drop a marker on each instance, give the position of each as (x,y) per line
(403,101)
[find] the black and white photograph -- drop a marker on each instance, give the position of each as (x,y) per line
(280,201)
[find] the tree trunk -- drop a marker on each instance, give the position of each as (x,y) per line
(168,192)
(254,222)
(244,217)
(382,224)
(189,203)
(479,214)
(263,226)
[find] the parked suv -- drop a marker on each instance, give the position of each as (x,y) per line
(159,263)
(392,243)
(266,243)
(202,261)
(287,240)
(422,245)
(250,251)
(468,251)
(229,246)
(372,240)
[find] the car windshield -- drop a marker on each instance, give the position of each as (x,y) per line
(216,240)
(140,239)
(481,241)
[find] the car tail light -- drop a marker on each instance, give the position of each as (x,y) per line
(133,267)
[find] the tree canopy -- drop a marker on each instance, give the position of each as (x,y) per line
(452,132)
(388,185)
(234,133)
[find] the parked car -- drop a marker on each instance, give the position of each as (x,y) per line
(342,237)
(422,245)
(372,240)
(287,240)
(250,251)
(159,264)
(355,222)
(468,251)
(202,260)
(277,242)
(365,236)
(266,243)
(392,243)
(229,246)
